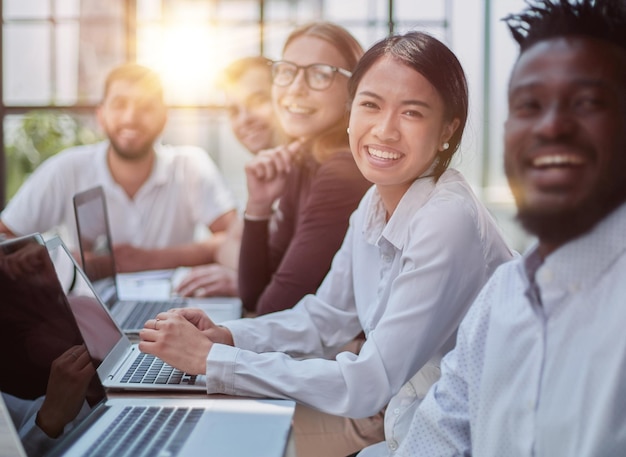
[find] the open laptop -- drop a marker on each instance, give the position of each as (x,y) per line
(120,363)
(38,320)
(136,297)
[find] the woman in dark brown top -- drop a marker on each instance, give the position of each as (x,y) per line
(287,247)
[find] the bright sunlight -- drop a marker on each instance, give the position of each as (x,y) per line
(188,58)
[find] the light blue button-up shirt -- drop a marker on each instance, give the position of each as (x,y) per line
(540,364)
(406,283)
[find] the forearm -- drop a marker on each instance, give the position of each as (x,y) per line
(254,269)
(6,231)
(227,253)
(191,254)
(186,255)
(294,278)
(332,386)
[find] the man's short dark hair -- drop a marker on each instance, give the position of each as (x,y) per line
(136,74)
(546,19)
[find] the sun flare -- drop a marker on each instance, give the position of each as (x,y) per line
(188,58)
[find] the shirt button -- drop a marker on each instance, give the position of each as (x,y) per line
(546,275)
(396,411)
(393,445)
(574,288)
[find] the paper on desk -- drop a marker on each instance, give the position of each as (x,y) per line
(145,285)
(149,285)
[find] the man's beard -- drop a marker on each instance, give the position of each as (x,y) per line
(561,226)
(133,155)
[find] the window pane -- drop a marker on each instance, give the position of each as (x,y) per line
(293,11)
(148,10)
(422,10)
(66,91)
(67,8)
(98,9)
(355,10)
(96,57)
(190,10)
(275,37)
(186,57)
(27,64)
(26,9)
(246,44)
(368,35)
(437,31)
(237,10)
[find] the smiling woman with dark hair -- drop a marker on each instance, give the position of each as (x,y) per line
(419,248)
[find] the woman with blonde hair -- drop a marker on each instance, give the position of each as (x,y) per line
(287,248)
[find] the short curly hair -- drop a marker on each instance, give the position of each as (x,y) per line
(546,19)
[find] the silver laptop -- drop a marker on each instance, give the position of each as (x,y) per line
(120,363)
(38,319)
(150,291)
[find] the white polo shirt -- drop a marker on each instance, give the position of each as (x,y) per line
(184,190)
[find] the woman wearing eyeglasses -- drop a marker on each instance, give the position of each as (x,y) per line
(301,195)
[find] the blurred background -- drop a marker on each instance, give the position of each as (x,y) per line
(56,54)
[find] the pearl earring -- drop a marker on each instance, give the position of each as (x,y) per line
(445,145)
(348,130)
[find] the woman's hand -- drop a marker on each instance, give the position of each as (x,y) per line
(266,176)
(208,281)
(183,338)
(69,378)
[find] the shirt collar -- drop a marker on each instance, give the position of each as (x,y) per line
(103,171)
(395,230)
(583,259)
(159,174)
(163,157)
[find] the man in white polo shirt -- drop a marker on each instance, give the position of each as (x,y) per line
(156,195)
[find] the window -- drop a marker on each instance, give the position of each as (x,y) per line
(56,54)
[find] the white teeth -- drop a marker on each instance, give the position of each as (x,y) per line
(557,160)
(297,109)
(129,132)
(383,154)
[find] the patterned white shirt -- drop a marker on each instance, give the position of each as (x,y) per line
(540,363)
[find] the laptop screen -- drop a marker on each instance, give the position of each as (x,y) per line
(94,237)
(97,327)
(40,337)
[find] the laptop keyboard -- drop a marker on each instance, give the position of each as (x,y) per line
(146,431)
(148,369)
(148,310)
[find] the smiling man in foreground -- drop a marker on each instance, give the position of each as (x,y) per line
(540,360)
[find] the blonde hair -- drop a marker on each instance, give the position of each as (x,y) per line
(237,68)
(335,137)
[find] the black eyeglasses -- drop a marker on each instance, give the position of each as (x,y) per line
(318,76)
